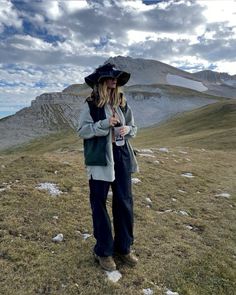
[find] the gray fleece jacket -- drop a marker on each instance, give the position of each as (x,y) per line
(88,129)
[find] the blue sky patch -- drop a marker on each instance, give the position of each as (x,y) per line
(41,33)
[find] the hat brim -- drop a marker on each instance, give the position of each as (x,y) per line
(121,76)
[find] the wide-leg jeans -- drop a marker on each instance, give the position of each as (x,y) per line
(122,208)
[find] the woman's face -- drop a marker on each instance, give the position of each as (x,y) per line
(111,83)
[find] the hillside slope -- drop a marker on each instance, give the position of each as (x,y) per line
(212,126)
(184,226)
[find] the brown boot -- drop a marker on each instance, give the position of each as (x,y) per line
(106,263)
(129,259)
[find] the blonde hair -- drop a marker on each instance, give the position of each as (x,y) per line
(102,96)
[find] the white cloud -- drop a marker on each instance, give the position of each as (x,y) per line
(73,6)
(134,6)
(226,66)
(8,15)
(220,11)
(31,43)
(53,9)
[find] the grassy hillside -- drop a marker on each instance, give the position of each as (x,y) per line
(184,232)
(212,127)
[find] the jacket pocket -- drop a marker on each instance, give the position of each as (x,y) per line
(95,151)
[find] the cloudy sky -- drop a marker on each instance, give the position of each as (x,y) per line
(46,45)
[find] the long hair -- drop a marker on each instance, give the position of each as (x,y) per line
(101,96)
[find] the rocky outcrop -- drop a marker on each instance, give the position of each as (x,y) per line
(216,77)
(48,113)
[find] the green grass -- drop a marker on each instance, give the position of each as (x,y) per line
(212,127)
(193,261)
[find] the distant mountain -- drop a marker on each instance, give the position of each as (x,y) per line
(146,71)
(216,77)
(156,92)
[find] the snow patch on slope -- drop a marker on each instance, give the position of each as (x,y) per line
(184,82)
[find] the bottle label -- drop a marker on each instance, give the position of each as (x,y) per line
(119,140)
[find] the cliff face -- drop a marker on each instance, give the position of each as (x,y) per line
(48,113)
(58,110)
(216,77)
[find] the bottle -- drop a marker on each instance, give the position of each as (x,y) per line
(119,140)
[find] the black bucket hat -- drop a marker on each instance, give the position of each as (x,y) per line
(107,71)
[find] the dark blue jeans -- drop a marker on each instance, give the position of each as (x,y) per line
(122,208)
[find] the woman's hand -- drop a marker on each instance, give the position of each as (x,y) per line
(124,130)
(113,121)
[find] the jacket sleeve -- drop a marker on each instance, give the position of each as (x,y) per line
(87,128)
(129,121)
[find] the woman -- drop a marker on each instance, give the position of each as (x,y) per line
(109,164)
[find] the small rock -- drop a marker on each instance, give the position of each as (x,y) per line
(187,174)
(184,213)
(114,276)
(2,189)
(147,291)
(147,155)
(169,292)
(168,210)
(146,151)
(173,199)
(181,191)
(187,159)
(58,238)
(55,217)
(86,236)
(189,227)
(157,162)
(3,166)
(148,200)
(135,180)
(164,150)
(50,187)
(164,211)
(183,152)
(55,172)
(223,195)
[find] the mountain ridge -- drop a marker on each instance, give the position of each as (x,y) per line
(151,93)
